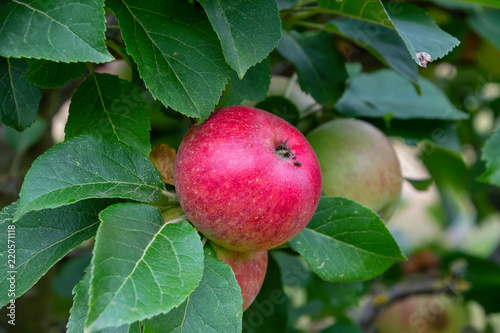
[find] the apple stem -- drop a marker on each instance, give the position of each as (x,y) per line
(170,195)
(203,241)
(177,220)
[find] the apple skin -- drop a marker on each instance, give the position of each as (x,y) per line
(423,314)
(249,270)
(237,189)
(358,162)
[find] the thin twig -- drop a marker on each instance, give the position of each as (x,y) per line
(380,301)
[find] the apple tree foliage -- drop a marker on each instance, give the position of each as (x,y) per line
(150,270)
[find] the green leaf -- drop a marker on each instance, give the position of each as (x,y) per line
(335,295)
(386,94)
(491,156)
(419,31)
(70,31)
(80,309)
(214,306)
(51,74)
(177,53)
(282,107)
(248,30)
(420,184)
(42,238)
(252,87)
(345,241)
(384,43)
(415,27)
(320,66)
(19,99)
(486,25)
(22,141)
(107,106)
(70,272)
(483,275)
(453,182)
(371,11)
(343,328)
(269,311)
(486,3)
(437,159)
(295,272)
(143,266)
(286,4)
(88,167)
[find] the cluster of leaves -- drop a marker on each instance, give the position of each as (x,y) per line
(149,269)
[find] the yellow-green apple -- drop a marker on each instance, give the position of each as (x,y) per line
(358,162)
(249,270)
(424,314)
(247,179)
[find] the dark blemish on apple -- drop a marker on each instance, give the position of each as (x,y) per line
(285,152)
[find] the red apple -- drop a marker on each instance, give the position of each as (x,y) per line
(247,179)
(248,268)
(358,162)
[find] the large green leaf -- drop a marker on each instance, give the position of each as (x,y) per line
(19,98)
(486,25)
(51,74)
(143,265)
(80,309)
(345,241)
(252,87)
(320,66)
(416,28)
(384,43)
(214,306)
(177,53)
(386,94)
(248,30)
(107,106)
(88,167)
(67,31)
(42,238)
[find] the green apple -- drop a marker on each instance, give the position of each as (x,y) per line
(358,162)
(424,314)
